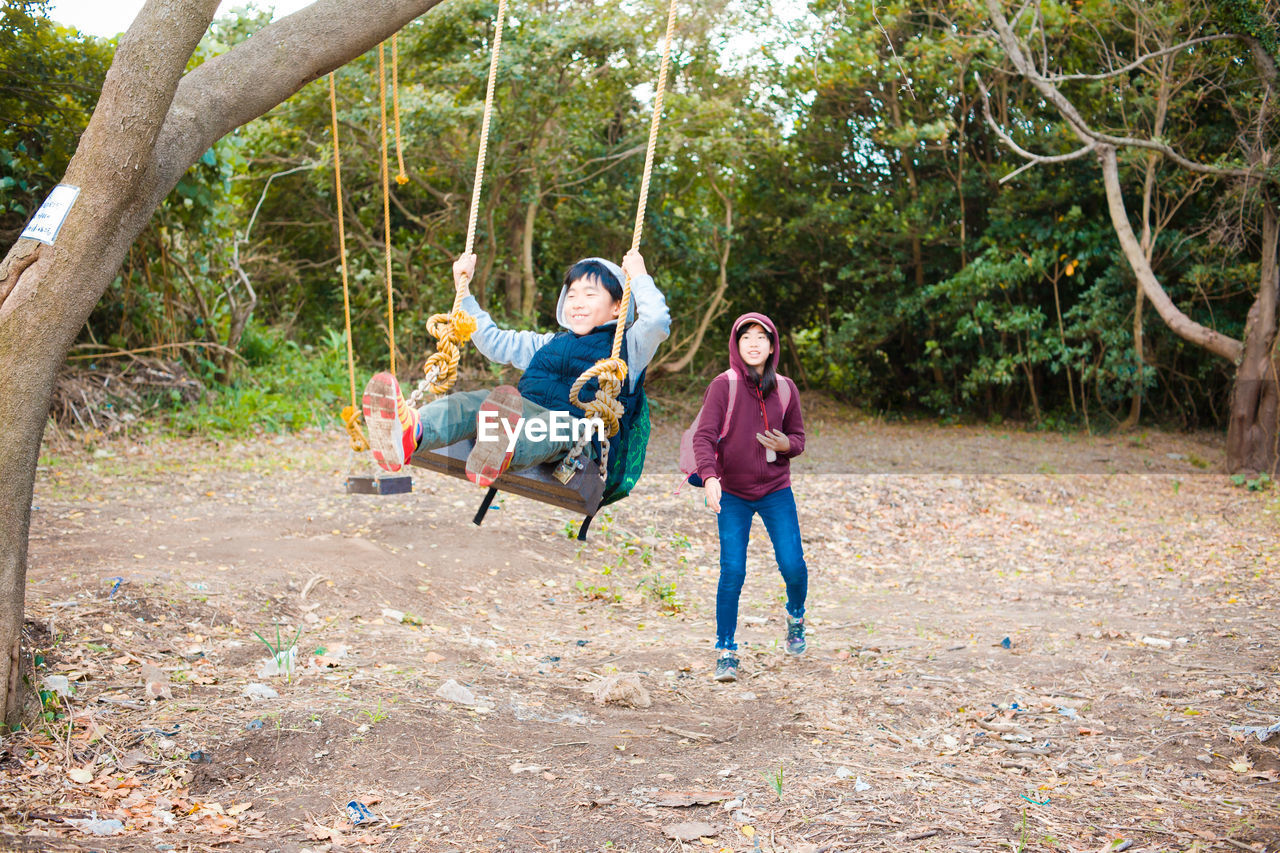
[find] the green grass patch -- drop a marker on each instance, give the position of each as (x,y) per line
(282,386)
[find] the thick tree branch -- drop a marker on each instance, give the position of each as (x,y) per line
(1174,318)
(265,70)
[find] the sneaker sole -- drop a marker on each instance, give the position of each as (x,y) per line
(727,677)
(488,460)
(385,433)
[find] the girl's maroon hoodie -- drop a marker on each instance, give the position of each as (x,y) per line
(738,459)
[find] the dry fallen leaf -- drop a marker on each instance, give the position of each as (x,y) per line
(326,833)
(156,681)
(218,824)
(689,831)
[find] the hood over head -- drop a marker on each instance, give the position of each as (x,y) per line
(735,358)
(622,280)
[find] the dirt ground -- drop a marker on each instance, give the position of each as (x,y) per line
(1018,641)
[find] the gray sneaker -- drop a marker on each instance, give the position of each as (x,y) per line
(727,667)
(795,635)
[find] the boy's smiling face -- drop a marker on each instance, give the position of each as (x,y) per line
(588,304)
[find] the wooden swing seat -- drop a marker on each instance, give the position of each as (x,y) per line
(581,495)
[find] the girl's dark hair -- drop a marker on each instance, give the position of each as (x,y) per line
(767,377)
(593,267)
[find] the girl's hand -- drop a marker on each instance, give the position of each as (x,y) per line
(464,269)
(775,440)
(712,487)
(633,264)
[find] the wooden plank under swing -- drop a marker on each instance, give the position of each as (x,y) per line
(581,495)
(401,485)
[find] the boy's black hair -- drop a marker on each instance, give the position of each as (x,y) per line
(767,378)
(593,267)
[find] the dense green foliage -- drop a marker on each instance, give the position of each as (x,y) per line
(49,82)
(840,167)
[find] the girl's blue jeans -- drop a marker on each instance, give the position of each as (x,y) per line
(778,511)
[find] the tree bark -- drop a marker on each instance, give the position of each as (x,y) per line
(150,125)
(1253,428)
(1181,325)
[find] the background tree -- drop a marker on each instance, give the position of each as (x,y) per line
(151,123)
(1234,76)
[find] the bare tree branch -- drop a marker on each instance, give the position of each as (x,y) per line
(1032,158)
(1177,48)
(1014,50)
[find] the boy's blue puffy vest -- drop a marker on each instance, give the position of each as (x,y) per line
(558,364)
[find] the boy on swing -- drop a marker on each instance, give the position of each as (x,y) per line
(588,308)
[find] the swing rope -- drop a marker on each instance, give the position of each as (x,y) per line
(456,327)
(613,370)
(351,413)
(401,177)
(386,208)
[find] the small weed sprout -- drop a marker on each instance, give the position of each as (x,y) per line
(284,656)
(377,715)
(775,778)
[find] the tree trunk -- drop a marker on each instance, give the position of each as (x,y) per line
(151,123)
(1252,427)
(1148,243)
(528,284)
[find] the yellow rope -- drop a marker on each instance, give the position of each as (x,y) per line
(456,327)
(451,331)
(350,414)
(484,127)
(351,419)
(386,207)
(613,370)
(401,177)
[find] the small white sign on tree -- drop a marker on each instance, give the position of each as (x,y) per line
(44,226)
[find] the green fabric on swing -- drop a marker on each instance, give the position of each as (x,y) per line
(625,473)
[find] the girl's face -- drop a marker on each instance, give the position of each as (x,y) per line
(754,346)
(588,304)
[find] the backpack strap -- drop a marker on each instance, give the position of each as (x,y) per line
(784,393)
(732,378)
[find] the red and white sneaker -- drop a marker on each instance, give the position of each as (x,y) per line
(489,460)
(393,424)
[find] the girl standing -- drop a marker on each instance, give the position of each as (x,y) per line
(747,471)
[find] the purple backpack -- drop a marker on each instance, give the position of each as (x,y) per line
(688,463)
